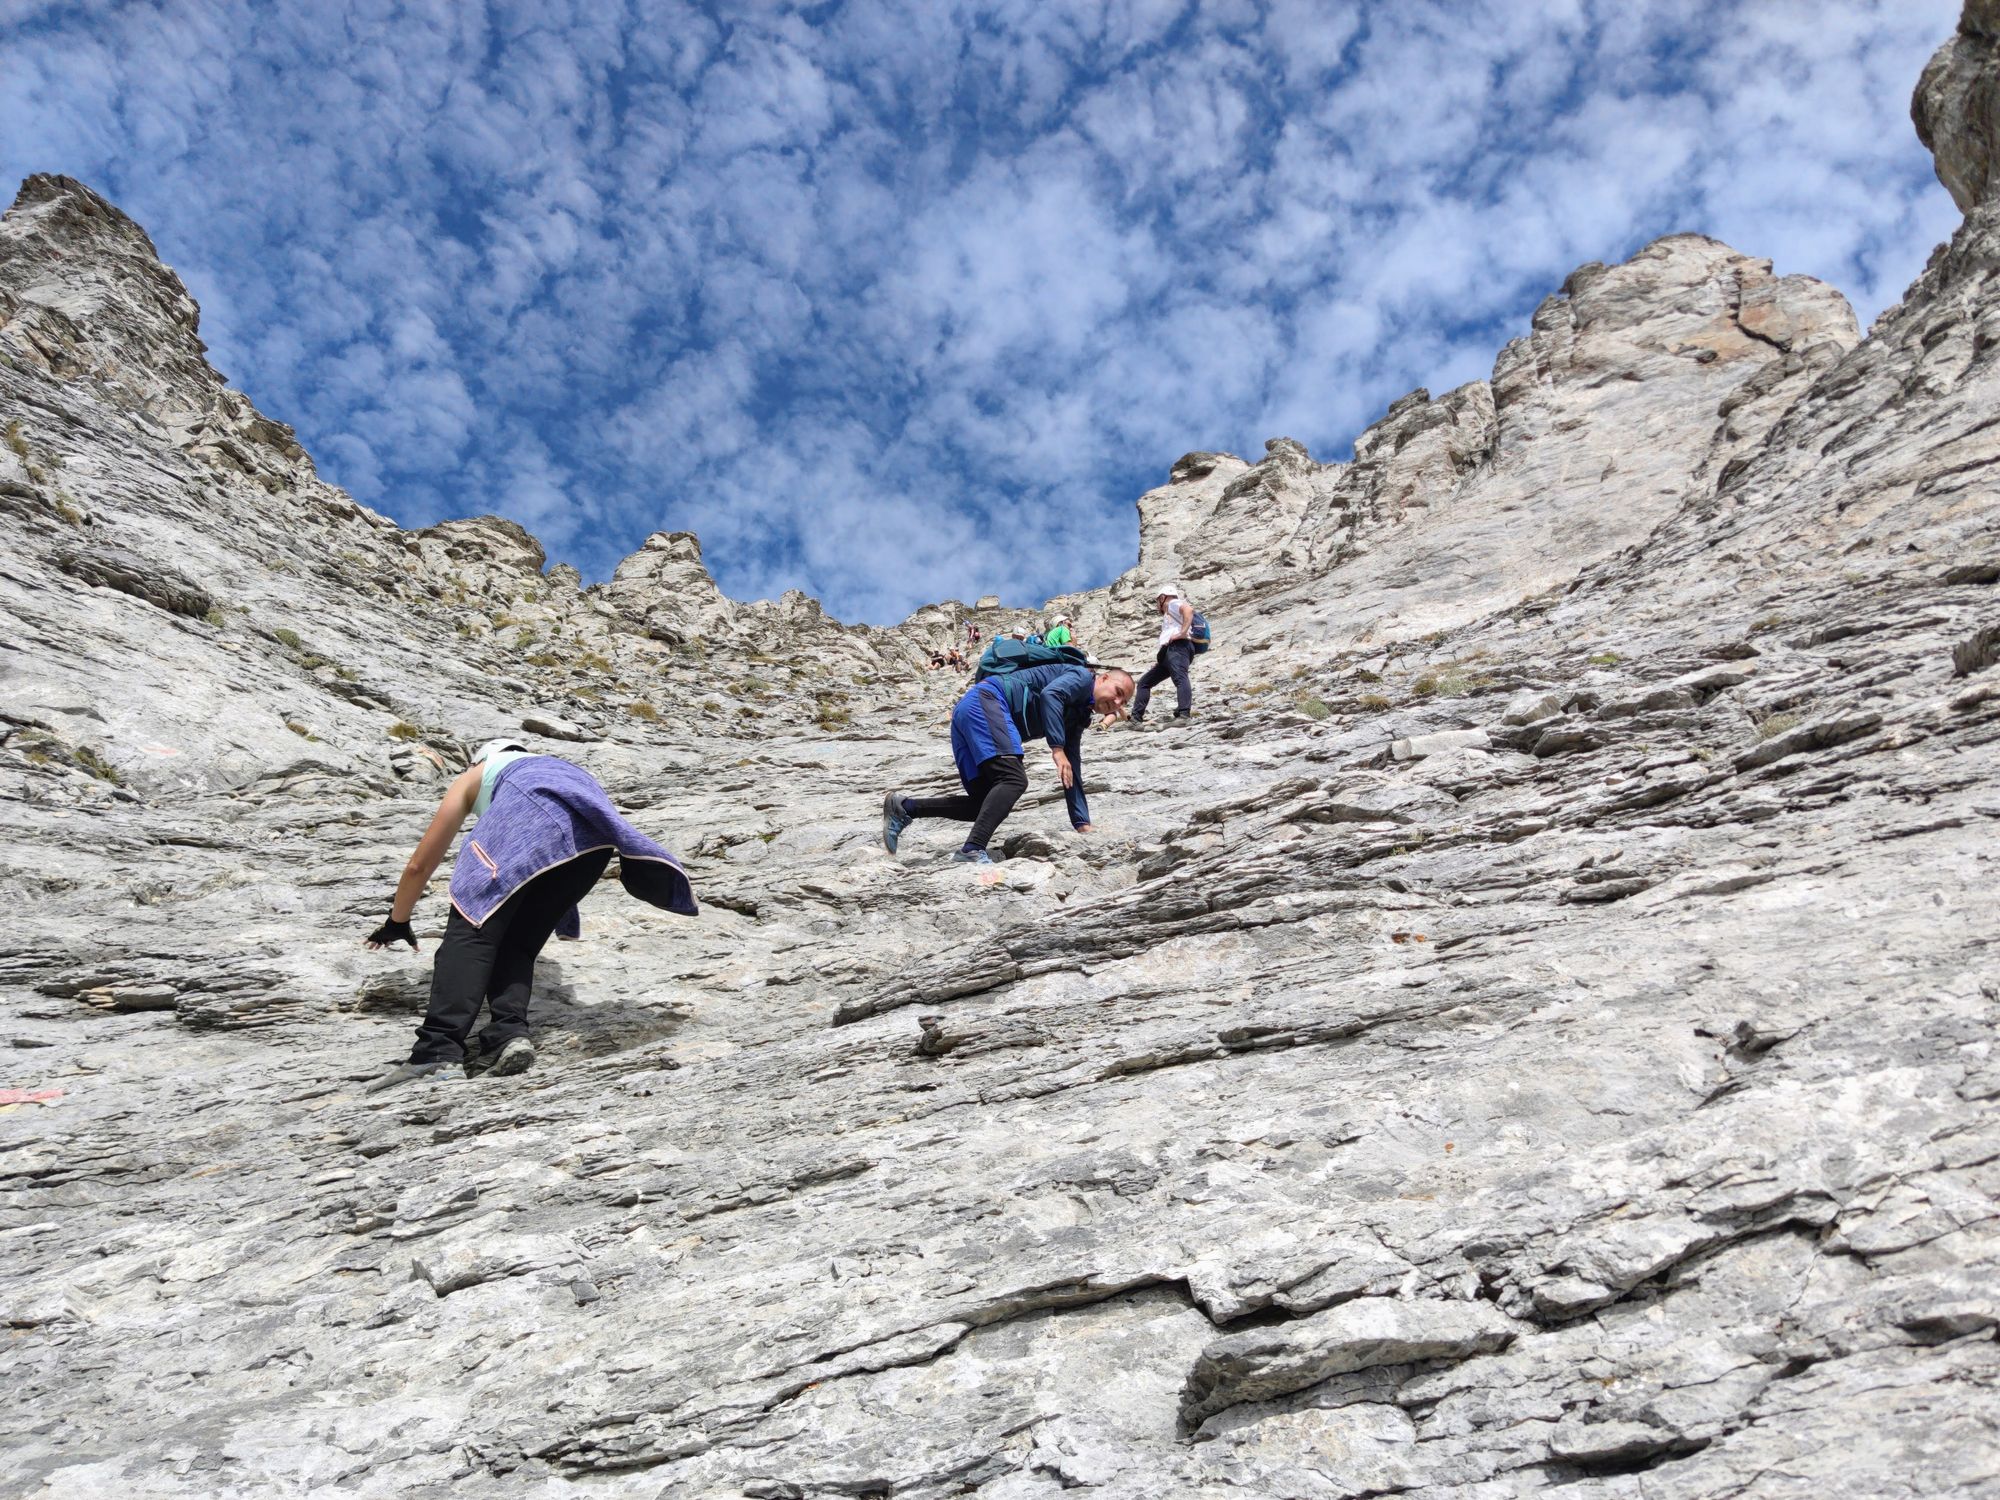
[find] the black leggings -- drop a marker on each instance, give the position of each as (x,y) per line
(1173,662)
(985,804)
(495,962)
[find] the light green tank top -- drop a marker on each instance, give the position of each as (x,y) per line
(495,763)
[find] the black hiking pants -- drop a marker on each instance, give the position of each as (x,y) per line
(495,962)
(994,791)
(1173,661)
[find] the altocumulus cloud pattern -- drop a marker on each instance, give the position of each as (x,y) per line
(904,301)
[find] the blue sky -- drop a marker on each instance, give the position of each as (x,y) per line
(903,300)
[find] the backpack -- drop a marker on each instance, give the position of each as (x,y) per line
(1005,656)
(1198,633)
(1034,640)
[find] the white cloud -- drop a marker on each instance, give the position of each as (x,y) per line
(904,301)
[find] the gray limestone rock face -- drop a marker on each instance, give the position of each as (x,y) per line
(1416,747)
(1527,707)
(1357,1335)
(1599,1103)
(1956,108)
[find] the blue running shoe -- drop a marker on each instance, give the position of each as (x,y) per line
(972,857)
(409,1072)
(894,820)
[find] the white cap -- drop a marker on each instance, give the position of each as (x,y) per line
(1166,591)
(494,747)
(1062,619)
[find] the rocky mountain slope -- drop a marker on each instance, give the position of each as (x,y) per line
(1534,1031)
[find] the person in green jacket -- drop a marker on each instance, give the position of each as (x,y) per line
(1059,633)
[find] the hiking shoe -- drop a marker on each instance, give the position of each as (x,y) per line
(516,1056)
(972,857)
(408,1072)
(1180,721)
(894,820)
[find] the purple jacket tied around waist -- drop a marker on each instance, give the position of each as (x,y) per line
(545,812)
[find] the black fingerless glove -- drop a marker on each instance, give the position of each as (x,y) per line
(393,931)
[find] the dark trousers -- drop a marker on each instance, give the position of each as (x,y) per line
(495,962)
(985,804)
(1173,661)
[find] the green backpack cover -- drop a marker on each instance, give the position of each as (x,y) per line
(1005,656)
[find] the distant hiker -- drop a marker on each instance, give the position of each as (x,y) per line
(1177,647)
(1059,633)
(1052,702)
(546,831)
(937,660)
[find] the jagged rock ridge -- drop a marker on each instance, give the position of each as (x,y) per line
(1534,1032)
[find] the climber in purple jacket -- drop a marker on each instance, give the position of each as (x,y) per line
(545,833)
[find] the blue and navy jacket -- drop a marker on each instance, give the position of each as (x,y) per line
(1054,703)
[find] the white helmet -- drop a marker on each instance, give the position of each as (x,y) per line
(492,748)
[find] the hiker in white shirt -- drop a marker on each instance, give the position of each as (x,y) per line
(1176,654)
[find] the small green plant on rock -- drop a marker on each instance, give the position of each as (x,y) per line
(644,711)
(1375,703)
(16,442)
(1776,724)
(98,766)
(287,638)
(1311,707)
(401,731)
(215,617)
(1606,659)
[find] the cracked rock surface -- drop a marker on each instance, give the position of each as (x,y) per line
(1534,1031)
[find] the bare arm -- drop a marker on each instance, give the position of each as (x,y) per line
(436,842)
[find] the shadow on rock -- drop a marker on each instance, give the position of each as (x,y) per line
(563,1021)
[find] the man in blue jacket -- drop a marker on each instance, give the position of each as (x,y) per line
(1052,703)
